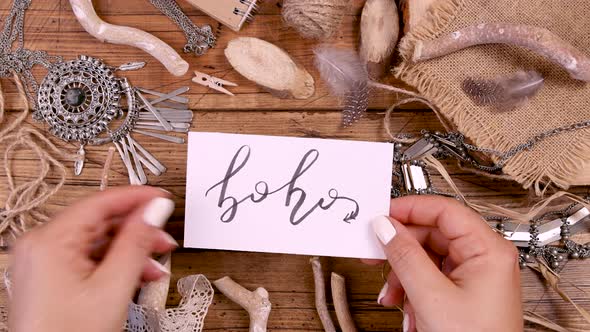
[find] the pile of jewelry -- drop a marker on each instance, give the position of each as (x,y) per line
(80,99)
(411,177)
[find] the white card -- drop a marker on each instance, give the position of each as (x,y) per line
(286,195)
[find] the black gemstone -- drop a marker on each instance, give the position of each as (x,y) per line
(75,97)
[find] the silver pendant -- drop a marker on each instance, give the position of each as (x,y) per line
(80,99)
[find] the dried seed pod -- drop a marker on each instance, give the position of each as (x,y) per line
(379,35)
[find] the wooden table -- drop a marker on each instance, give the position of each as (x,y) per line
(51,26)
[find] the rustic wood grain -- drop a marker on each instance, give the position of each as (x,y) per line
(52,26)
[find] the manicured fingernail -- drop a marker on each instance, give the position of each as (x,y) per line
(406,323)
(383,229)
(165,191)
(382,293)
(170,239)
(158,211)
(159,266)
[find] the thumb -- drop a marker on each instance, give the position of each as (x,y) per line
(133,245)
(418,275)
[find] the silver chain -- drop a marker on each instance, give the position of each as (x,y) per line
(504,157)
(199,40)
(16,58)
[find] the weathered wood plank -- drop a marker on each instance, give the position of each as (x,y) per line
(50,25)
(60,34)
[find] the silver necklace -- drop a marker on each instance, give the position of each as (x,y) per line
(14,58)
(80,99)
(199,40)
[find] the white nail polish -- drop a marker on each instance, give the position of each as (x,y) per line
(170,240)
(159,266)
(165,191)
(383,229)
(158,211)
(406,323)
(382,293)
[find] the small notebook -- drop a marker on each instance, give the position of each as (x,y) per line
(232,13)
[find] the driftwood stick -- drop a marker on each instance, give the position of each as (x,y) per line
(379,34)
(122,35)
(320,295)
(536,39)
(256,303)
(414,11)
(341,303)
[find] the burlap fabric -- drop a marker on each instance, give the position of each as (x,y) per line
(560,160)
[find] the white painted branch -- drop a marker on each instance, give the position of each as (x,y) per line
(122,35)
(256,303)
(341,303)
(536,39)
(320,295)
(154,294)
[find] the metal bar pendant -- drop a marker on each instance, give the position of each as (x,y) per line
(175,125)
(136,160)
(168,138)
(169,111)
(133,180)
(141,160)
(175,98)
(168,117)
(174,110)
(155,112)
(160,128)
(148,155)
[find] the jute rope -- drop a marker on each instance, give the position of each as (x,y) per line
(317,19)
(22,206)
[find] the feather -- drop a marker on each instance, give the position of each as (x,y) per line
(346,77)
(504,93)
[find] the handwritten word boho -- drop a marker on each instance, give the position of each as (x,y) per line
(295,196)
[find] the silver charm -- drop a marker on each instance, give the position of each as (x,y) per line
(80,99)
(79,164)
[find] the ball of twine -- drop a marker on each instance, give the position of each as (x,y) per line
(316,19)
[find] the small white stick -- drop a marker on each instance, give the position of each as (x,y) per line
(116,34)
(341,303)
(104,182)
(256,303)
(154,294)
(320,295)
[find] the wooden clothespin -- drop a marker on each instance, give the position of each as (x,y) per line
(213,82)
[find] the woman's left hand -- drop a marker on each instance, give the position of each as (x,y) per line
(58,284)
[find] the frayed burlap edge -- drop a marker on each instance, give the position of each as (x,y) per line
(563,172)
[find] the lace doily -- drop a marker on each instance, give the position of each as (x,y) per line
(197,295)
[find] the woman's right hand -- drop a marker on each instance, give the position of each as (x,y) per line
(450,270)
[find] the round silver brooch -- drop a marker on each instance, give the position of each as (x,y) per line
(80,98)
